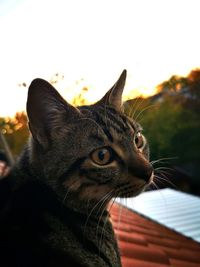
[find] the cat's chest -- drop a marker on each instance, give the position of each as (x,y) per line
(86,242)
(36,225)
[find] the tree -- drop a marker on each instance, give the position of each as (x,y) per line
(194,83)
(172,129)
(174,84)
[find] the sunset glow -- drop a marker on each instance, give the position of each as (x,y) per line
(91,42)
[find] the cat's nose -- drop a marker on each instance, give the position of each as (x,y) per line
(144,172)
(141,168)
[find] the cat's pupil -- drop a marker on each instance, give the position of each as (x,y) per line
(101,154)
(139,140)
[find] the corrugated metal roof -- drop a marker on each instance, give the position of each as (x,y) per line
(174,209)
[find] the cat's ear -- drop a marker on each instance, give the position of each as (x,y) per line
(47,112)
(113,97)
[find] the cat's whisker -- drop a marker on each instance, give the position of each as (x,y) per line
(69,189)
(161,173)
(155,185)
(165,179)
(161,194)
(162,160)
(143,110)
(158,179)
(100,234)
(164,169)
(103,199)
(109,196)
(106,219)
(119,217)
(135,106)
(152,186)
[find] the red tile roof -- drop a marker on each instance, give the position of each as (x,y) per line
(145,243)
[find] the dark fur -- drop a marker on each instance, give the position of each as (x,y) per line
(38,230)
(53,203)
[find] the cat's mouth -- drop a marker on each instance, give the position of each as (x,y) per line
(151,179)
(126,190)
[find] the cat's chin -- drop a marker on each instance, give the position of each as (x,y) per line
(132,193)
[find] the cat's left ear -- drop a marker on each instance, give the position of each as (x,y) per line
(113,97)
(48,113)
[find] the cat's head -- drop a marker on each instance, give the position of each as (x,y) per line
(94,151)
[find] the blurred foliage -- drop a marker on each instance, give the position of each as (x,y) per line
(174,84)
(171,122)
(15,131)
(172,130)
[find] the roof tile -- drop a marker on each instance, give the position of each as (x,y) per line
(131,237)
(180,263)
(146,243)
(182,254)
(130,262)
(131,250)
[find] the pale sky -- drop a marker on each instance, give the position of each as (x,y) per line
(92,41)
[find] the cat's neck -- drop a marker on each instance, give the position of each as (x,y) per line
(25,173)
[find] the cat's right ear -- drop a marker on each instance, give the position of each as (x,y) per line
(47,112)
(113,97)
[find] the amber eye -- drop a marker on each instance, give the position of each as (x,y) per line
(102,156)
(139,141)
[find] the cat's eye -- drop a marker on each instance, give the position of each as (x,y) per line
(139,140)
(102,156)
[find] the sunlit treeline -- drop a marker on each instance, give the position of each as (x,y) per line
(184,89)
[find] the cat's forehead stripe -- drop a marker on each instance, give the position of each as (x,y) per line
(109,122)
(104,127)
(111,118)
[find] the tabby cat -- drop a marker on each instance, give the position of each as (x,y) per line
(53,204)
